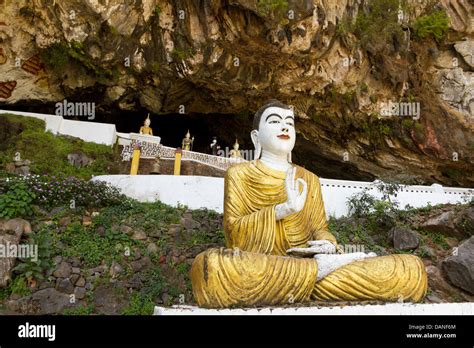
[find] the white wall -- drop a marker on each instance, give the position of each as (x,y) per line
(194,191)
(100,133)
(206,192)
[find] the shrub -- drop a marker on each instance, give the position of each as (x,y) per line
(55,191)
(435,25)
(15,199)
(35,269)
(378,212)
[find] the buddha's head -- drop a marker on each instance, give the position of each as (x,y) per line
(274,129)
(236,145)
(147,121)
(188,135)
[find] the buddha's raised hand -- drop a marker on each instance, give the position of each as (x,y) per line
(295,199)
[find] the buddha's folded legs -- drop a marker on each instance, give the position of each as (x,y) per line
(230,277)
(226,277)
(385,278)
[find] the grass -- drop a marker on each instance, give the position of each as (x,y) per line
(434,25)
(26,137)
(84,243)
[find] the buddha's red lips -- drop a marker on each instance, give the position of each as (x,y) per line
(283,136)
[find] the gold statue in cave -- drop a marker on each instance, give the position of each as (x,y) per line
(235,152)
(146,129)
(273,213)
(187,143)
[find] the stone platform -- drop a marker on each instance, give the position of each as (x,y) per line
(466,308)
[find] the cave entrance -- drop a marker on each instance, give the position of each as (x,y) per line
(203,127)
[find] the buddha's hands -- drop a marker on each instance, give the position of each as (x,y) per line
(322,246)
(295,199)
(315,247)
(329,263)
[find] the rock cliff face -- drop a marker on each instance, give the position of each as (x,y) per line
(375,96)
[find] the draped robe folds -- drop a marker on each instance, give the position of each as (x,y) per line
(254,268)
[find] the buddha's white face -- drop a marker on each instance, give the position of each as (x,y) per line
(276,133)
(147,122)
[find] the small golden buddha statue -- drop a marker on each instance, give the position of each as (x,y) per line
(235,153)
(146,129)
(187,143)
(274,213)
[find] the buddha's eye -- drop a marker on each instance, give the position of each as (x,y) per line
(274,121)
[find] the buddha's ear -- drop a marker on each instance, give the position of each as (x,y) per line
(256,143)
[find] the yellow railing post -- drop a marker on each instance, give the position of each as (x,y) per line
(135,160)
(177,161)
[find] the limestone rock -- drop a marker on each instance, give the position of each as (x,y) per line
(459,268)
(46,301)
(80,292)
(139,235)
(10,234)
(452,223)
(63,270)
(404,238)
(64,285)
(152,248)
(79,159)
(466,49)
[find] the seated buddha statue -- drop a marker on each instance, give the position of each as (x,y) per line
(146,129)
(273,208)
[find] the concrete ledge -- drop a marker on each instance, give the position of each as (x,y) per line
(466,308)
(208,192)
(193,191)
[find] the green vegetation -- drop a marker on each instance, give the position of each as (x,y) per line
(26,137)
(16,200)
(277,8)
(80,310)
(60,54)
(34,269)
(376,24)
(433,25)
(178,54)
(157,10)
(83,242)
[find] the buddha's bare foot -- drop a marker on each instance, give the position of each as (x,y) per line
(328,263)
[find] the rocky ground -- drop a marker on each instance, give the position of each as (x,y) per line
(126,259)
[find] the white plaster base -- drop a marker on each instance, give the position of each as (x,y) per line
(193,191)
(466,308)
(202,191)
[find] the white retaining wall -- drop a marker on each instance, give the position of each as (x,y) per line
(207,192)
(100,133)
(466,308)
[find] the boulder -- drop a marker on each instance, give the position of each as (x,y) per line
(459,267)
(451,223)
(466,49)
(11,232)
(63,270)
(46,301)
(404,238)
(79,159)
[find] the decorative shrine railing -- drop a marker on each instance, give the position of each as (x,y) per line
(151,150)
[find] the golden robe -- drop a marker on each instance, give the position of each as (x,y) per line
(255,270)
